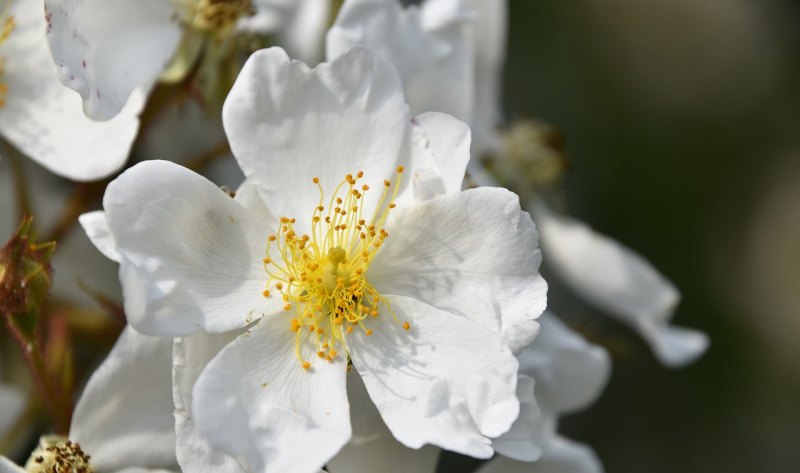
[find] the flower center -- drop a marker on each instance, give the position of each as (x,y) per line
(6,27)
(58,455)
(322,276)
(217,17)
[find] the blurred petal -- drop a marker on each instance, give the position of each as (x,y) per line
(564,456)
(124,417)
(256,402)
(288,123)
(521,441)
(473,253)
(7,466)
(191,255)
(570,373)
(104,50)
(447,381)
(373,448)
(616,280)
(446,140)
(44,120)
(11,404)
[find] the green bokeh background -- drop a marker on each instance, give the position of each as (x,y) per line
(681,120)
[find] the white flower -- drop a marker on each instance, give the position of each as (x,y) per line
(620,282)
(123,420)
(426,304)
(41,117)
(105,49)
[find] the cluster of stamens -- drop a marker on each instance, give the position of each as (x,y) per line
(59,456)
(6,27)
(216,16)
(321,276)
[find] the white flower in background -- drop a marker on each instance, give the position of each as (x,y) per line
(620,282)
(123,420)
(603,272)
(41,117)
(106,49)
(449,54)
(333,258)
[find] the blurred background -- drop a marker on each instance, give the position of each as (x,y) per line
(681,120)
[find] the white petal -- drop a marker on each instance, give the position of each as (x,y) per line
(303,33)
(446,142)
(489,39)
(7,466)
(255,401)
(96,227)
(373,448)
(570,373)
(564,457)
(447,381)
(105,50)
(616,280)
(44,120)
(521,442)
(189,356)
(124,417)
(288,123)
(190,254)
(430,47)
(473,253)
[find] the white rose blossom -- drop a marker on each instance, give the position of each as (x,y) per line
(123,421)
(42,118)
(354,245)
(106,49)
(606,274)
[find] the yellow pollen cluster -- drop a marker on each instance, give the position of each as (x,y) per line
(58,456)
(216,16)
(321,276)
(6,27)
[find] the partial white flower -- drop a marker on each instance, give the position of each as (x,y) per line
(570,374)
(12,402)
(123,420)
(105,50)
(41,117)
(449,54)
(333,258)
(620,282)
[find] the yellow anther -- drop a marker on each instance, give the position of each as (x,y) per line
(316,180)
(387,182)
(368,332)
(265,293)
(400,169)
(406,325)
(272,238)
(360,174)
(333,352)
(321,354)
(287,307)
(266,260)
(306,365)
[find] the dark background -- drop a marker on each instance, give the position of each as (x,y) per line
(681,121)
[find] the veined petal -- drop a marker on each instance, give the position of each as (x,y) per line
(430,46)
(254,402)
(190,254)
(95,225)
(124,416)
(373,448)
(564,456)
(616,280)
(473,253)
(447,381)
(288,123)
(445,142)
(104,50)
(43,119)
(570,373)
(189,356)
